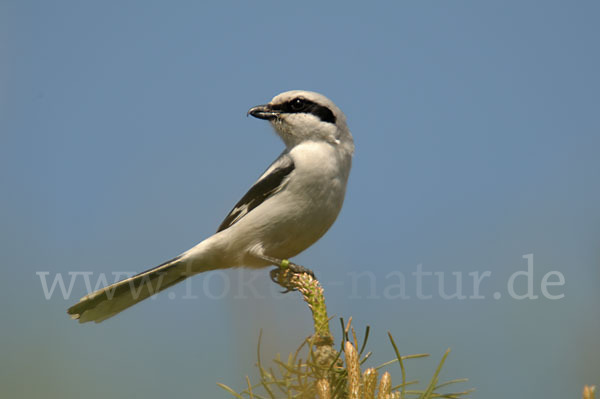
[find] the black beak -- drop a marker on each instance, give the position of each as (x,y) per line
(263,112)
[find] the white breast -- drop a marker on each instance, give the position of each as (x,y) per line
(298,215)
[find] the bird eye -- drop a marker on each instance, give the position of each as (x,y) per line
(297,104)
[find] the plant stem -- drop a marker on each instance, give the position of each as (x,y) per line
(312,293)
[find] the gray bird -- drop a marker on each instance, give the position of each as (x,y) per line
(288,209)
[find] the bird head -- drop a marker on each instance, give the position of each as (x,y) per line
(299,116)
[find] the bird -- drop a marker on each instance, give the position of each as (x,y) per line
(291,206)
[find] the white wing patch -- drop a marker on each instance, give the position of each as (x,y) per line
(266,186)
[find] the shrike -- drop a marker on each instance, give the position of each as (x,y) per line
(288,209)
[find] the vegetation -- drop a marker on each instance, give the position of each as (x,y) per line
(317,370)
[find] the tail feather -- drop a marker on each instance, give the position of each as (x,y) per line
(109,301)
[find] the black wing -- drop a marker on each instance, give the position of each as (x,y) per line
(266,186)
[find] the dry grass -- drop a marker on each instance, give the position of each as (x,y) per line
(317,370)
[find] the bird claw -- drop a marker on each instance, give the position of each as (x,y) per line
(284,273)
(283,277)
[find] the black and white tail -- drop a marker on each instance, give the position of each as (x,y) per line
(115,298)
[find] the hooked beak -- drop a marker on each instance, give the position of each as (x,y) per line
(263,112)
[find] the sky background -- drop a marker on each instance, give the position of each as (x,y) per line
(124,141)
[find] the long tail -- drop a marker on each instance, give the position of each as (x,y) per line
(107,302)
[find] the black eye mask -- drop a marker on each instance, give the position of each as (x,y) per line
(301,105)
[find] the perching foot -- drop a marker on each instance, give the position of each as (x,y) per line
(284,272)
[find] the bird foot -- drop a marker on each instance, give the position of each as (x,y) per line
(284,273)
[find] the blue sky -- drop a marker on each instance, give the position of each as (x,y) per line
(124,141)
